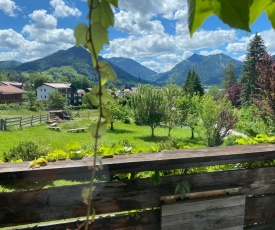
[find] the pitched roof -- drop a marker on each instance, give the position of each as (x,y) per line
(9,89)
(58,85)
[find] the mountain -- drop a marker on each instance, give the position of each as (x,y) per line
(9,65)
(134,68)
(209,68)
(75,60)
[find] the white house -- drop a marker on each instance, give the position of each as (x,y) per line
(74,96)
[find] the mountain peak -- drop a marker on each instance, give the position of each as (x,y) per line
(196,58)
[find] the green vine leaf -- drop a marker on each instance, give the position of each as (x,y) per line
(102,13)
(107,115)
(95,94)
(113,2)
(270,11)
(101,129)
(182,188)
(80,34)
(99,37)
(231,12)
(258,7)
(107,72)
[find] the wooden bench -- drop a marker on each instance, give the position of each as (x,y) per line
(55,128)
(77,130)
(53,124)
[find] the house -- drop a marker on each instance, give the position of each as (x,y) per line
(73,95)
(13,83)
(11,94)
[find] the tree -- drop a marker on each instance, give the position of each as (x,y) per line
(249,80)
(81,82)
(188,107)
(56,100)
(171,117)
(193,84)
(117,112)
(265,101)
(233,94)
(31,97)
(230,77)
(216,119)
(215,92)
(148,107)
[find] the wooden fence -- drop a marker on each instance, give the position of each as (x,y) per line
(113,199)
(20,122)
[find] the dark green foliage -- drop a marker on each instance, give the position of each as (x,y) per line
(230,77)
(27,151)
(256,49)
(249,122)
(81,82)
(56,100)
(193,84)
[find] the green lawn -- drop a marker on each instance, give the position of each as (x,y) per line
(138,136)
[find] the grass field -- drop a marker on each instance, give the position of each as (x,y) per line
(135,135)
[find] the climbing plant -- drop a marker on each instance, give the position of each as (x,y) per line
(94,36)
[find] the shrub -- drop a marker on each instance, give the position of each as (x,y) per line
(27,151)
(127,120)
(230,140)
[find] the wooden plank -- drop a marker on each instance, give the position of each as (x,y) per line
(260,209)
(230,223)
(163,161)
(253,181)
(204,214)
(125,195)
(202,205)
(66,202)
(146,220)
(264,226)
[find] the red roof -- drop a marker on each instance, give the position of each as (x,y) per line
(9,89)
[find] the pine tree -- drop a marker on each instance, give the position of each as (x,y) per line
(256,49)
(230,77)
(193,84)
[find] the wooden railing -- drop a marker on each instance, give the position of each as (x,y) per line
(20,122)
(113,199)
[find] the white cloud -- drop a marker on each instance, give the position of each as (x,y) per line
(8,7)
(61,10)
(38,39)
(268,37)
(206,53)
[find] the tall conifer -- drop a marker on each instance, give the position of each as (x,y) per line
(256,49)
(193,85)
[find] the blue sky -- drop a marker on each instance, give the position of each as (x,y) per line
(153,33)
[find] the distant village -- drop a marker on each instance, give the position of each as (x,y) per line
(12,92)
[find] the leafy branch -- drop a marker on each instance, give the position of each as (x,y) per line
(93,37)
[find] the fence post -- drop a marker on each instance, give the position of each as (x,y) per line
(20,124)
(40,116)
(2,124)
(31,120)
(5,124)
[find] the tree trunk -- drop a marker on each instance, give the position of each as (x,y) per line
(112,125)
(152,131)
(169,132)
(192,133)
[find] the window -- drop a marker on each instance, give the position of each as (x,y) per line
(45,90)
(45,96)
